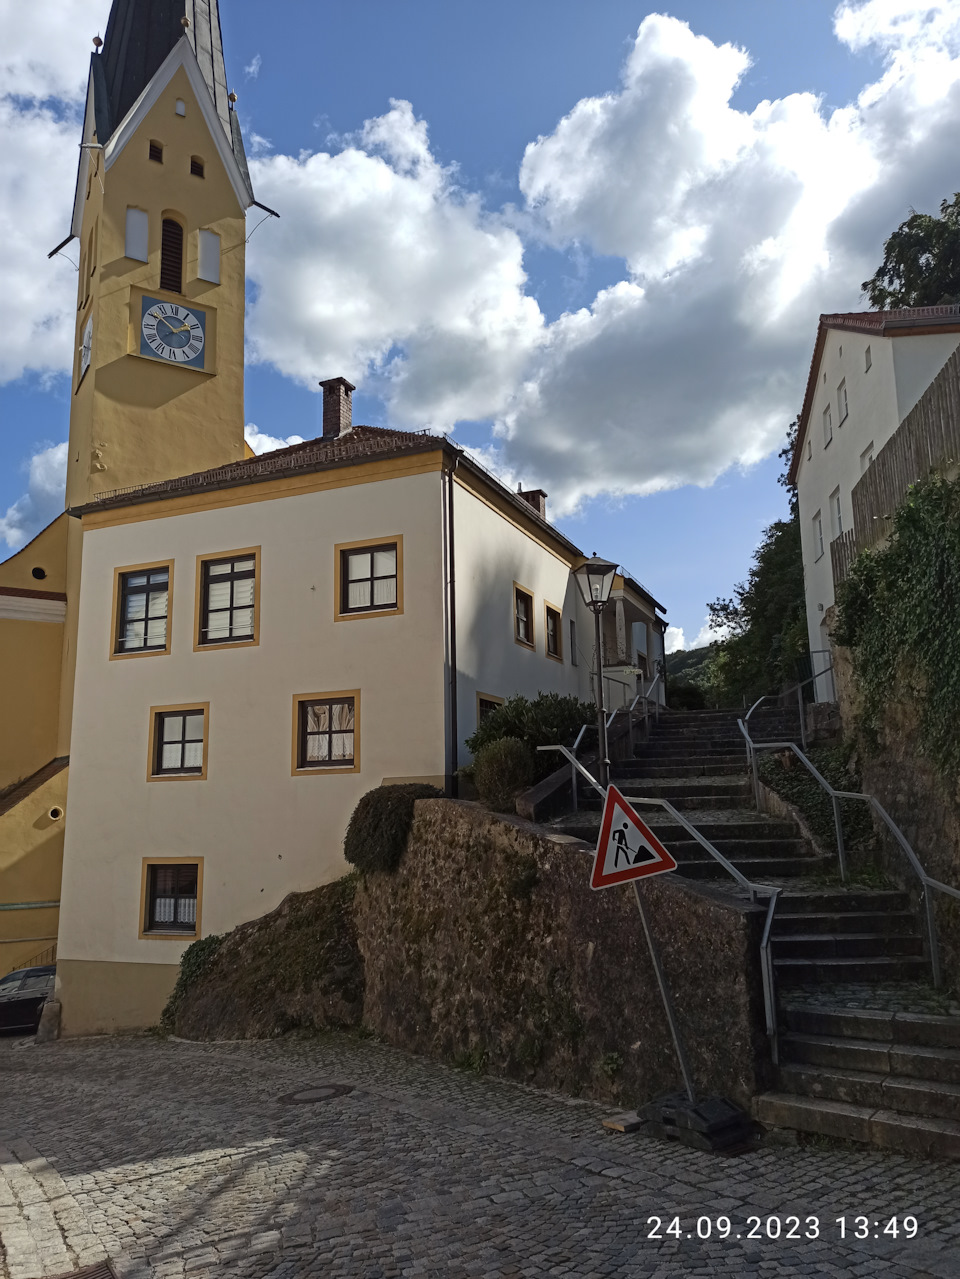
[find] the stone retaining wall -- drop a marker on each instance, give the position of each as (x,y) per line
(488,948)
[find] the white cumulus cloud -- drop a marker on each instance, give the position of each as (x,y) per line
(252,69)
(734,227)
(261,442)
(43,500)
(673,639)
(383,270)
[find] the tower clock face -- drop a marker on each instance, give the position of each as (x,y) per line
(172,332)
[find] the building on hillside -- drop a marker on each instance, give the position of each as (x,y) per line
(869,371)
(275,635)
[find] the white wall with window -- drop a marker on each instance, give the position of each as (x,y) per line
(263,825)
(863,387)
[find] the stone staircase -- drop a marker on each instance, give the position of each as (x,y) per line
(868,1051)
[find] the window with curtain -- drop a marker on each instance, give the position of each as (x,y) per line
(228,597)
(172,898)
(327,733)
(368,579)
(142,611)
(178,742)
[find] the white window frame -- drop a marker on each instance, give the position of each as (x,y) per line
(208,256)
(866,458)
(136,243)
(843,406)
(836,515)
(867,360)
(818,536)
(827,425)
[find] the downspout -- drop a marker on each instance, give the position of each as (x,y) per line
(452,614)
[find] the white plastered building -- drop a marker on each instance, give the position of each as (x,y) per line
(261,644)
(869,370)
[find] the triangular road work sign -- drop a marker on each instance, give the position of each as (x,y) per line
(627,848)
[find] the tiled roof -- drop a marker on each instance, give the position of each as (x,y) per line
(900,323)
(359,445)
(883,321)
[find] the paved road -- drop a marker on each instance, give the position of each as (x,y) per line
(181,1159)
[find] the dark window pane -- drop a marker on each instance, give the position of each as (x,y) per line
(369,579)
(144,602)
(229,591)
(326,733)
(172,903)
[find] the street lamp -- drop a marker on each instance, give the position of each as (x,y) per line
(595,581)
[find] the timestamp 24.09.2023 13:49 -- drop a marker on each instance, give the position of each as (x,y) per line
(775,1227)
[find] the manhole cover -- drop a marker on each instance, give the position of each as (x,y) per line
(318,1092)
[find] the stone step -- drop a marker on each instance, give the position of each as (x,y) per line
(667,787)
(830,901)
(682,801)
(899,1093)
(858,921)
(936,1065)
(918,1029)
(846,945)
(752,849)
(793,972)
(678,768)
(586,825)
(759,870)
(910,1134)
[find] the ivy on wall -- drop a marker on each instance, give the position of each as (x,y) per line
(899,613)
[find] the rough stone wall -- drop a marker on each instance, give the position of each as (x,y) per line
(918,800)
(488,948)
(298,966)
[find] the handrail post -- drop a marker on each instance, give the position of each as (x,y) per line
(841,851)
(931,913)
(769,982)
(803,718)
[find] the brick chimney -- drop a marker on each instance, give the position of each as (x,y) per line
(537,499)
(337,407)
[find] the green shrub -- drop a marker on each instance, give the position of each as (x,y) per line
(801,789)
(899,613)
(378,830)
(194,961)
(685,697)
(548,720)
(501,770)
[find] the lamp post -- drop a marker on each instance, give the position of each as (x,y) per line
(595,581)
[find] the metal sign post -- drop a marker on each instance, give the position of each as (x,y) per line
(665,996)
(623,835)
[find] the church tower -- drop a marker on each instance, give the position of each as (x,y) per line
(161,195)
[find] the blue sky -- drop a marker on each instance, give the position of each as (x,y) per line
(591,240)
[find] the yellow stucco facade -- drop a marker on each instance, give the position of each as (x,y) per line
(134,418)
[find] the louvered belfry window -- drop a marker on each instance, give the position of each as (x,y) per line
(171,256)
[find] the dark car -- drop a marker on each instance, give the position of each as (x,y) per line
(22,996)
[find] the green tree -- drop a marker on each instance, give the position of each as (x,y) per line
(766,616)
(921,261)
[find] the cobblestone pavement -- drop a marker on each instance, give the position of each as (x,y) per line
(179,1159)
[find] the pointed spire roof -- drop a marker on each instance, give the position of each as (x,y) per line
(140,35)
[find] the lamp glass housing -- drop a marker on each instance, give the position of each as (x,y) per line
(595,581)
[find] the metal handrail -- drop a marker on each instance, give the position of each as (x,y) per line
(766,962)
(927,881)
(798,689)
